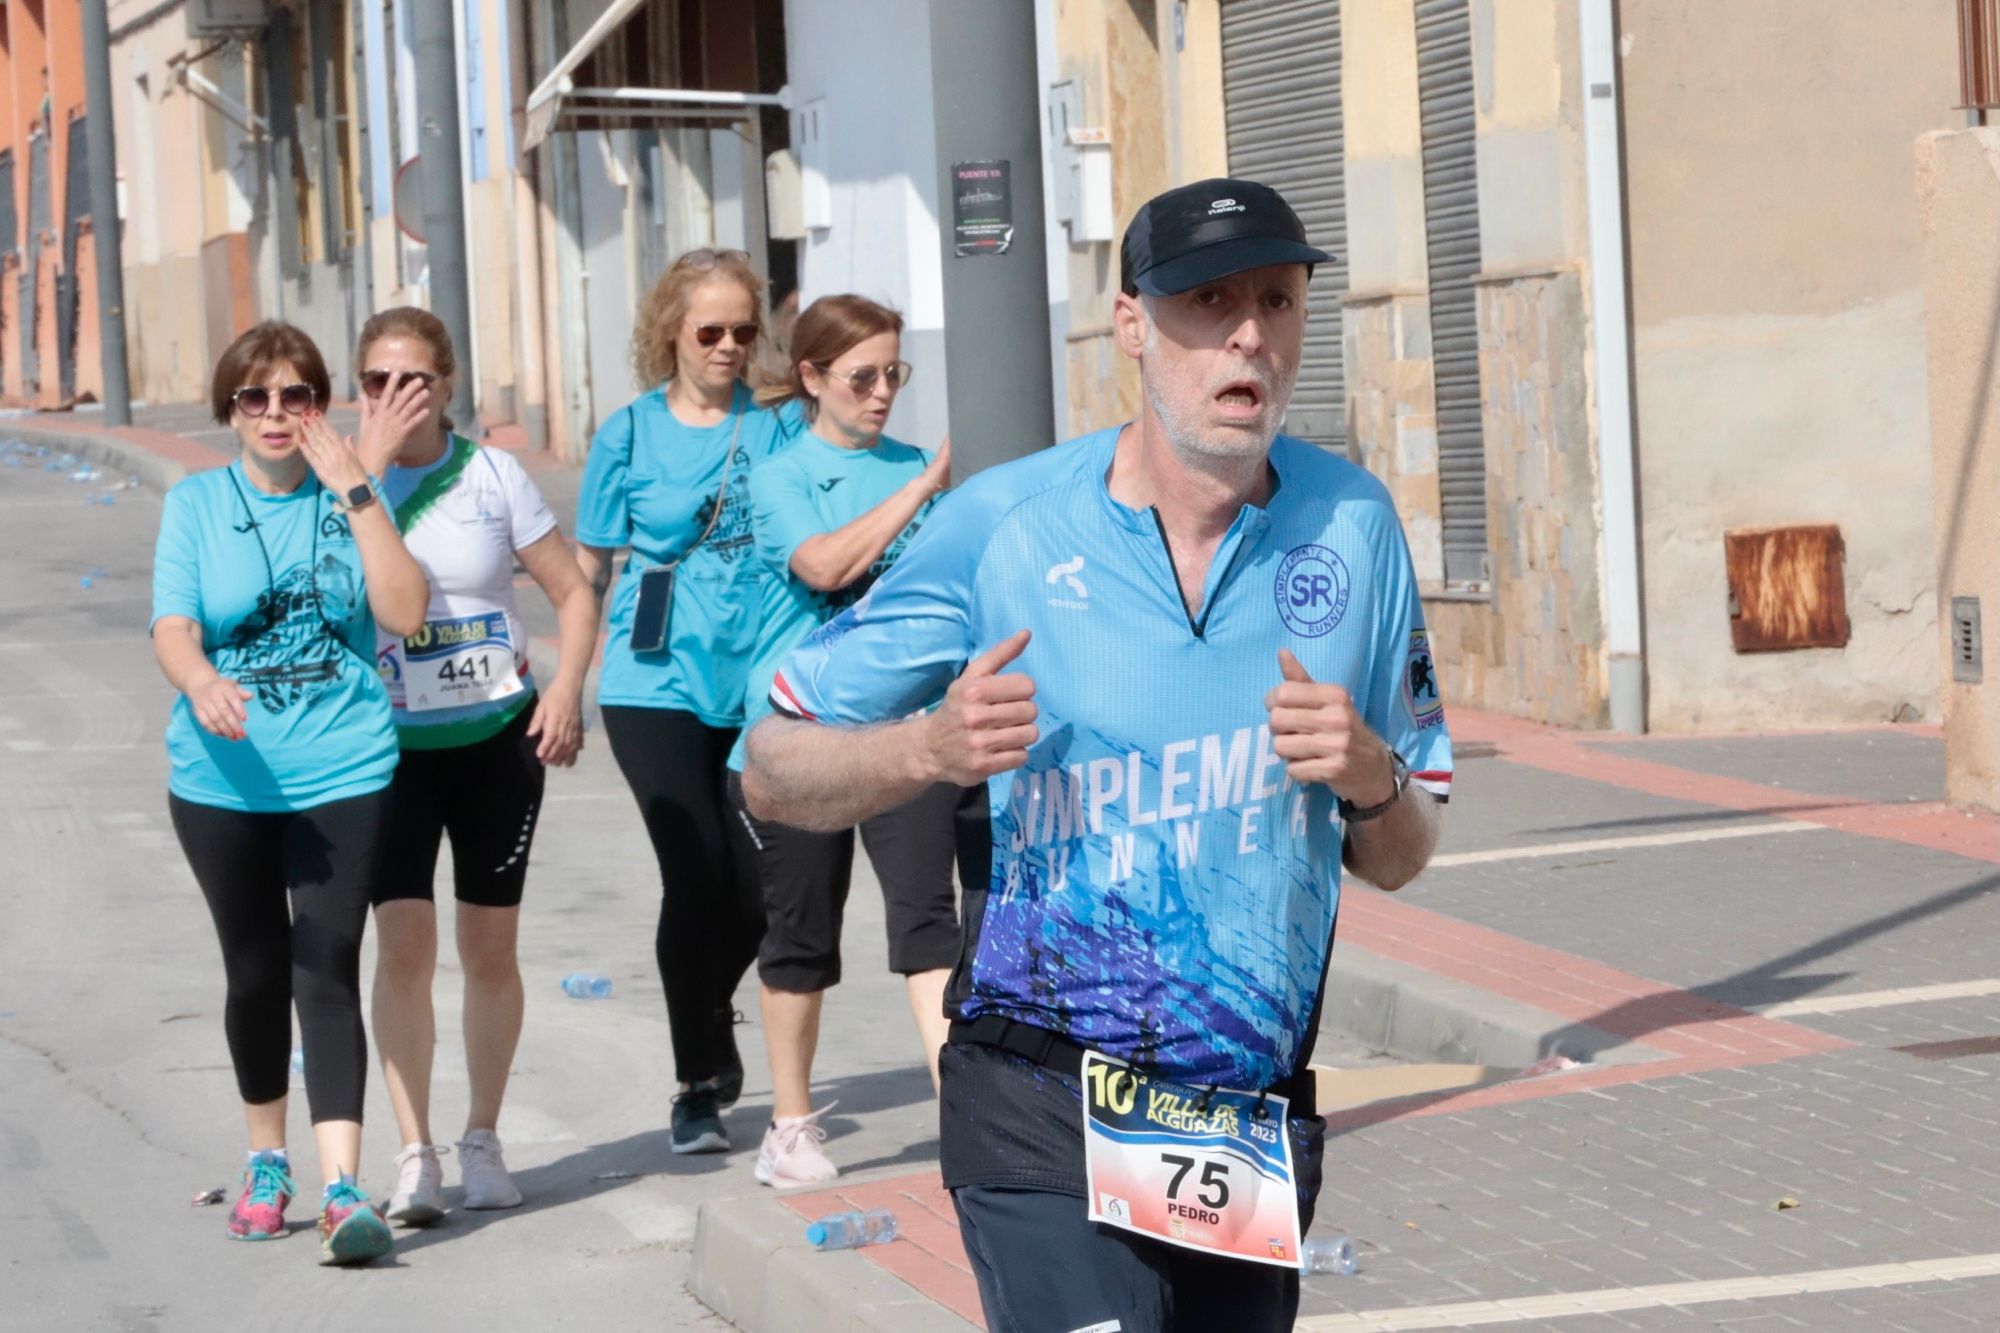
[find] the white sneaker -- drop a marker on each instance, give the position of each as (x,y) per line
(419,1197)
(791,1153)
(484,1171)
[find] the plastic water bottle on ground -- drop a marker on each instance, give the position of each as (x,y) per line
(298,1067)
(586,986)
(90,579)
(850,1231)
(1330,1254)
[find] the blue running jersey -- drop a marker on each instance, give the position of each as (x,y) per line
(1161,890)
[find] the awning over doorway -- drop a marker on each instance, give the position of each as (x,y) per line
(556,99)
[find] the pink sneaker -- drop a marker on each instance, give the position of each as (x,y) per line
(351,1229)
(259,1213)
(791,1153)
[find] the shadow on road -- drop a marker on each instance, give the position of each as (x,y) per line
(603,1167)
(1767,983)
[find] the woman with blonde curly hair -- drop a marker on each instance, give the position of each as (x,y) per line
(668,478)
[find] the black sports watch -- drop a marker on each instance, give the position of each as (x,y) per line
(1350,813)
(359,498)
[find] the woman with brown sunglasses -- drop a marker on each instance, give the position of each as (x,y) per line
(667,478)
(269,579)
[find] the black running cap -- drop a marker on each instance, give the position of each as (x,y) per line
(1208,230)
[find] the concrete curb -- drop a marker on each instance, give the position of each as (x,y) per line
(753,1267)
(106,450)
(1423,1017)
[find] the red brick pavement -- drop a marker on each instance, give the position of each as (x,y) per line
(1697,1034)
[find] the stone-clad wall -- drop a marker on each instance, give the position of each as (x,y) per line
(1533,645)
(1392,422)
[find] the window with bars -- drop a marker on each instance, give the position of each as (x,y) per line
(1979,54)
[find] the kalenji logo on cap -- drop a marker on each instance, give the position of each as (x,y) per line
(1226,206)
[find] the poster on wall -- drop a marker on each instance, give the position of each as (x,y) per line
(982,208)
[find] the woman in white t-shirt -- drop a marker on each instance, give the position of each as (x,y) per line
(475,734)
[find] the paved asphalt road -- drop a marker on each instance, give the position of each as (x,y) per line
(116,1100)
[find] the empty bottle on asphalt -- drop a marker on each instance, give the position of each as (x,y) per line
(850,1231)
(587,986)
(1329,1254)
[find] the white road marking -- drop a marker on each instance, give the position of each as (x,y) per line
(1620,844)
(1882,999)
(1523,1309)
(68,502)
(96,747)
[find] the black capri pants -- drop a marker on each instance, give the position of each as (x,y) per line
(486,797)
(806,876)
(305,951)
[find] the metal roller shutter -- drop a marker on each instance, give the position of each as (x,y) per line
(1451,232)
(1281,99)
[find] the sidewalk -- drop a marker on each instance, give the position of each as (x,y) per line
(1788,941)
(167,441)
(1774,955)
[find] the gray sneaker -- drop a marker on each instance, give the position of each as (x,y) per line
(419,1197)
(697,1123)
(484,1171)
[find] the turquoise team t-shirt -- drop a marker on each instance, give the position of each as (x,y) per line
(810,488)
(275,583)
(650,484)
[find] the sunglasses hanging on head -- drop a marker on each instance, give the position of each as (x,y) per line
(704,259)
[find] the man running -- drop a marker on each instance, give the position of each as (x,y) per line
(1179,653)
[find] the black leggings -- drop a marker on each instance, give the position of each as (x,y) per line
(307,951)
(711,909)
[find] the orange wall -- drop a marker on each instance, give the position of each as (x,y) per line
(66,100)
(41,52)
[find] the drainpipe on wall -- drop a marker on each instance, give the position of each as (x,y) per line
(1611,339)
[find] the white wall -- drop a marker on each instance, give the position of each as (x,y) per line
(874,74)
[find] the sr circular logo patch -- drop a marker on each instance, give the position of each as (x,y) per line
(1311,590)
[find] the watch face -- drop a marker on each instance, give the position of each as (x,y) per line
(360,495)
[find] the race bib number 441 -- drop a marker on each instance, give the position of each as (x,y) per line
(1209,1169)
(449,663)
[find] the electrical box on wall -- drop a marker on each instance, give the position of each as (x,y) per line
(815,191)
(227,18)
(784,199)
(1090,162)
(1081,158)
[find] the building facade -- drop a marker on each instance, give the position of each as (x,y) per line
(1710,509)
(1627,308)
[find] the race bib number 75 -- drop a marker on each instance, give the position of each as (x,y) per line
(1205,1168)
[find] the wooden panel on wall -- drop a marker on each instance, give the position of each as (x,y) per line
(1787,588)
